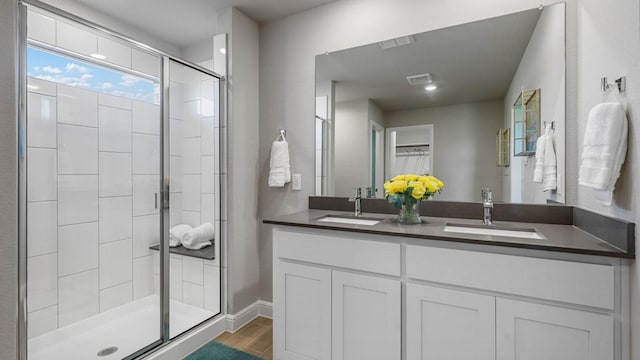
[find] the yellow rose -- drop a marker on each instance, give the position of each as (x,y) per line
(432,186)
(399,177)
(387,187)
(423,179)
(418,190)
(398,186)
(437,181)
(411,177)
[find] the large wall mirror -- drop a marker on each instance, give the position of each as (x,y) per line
(435,102)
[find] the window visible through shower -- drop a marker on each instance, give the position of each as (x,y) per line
(120,140)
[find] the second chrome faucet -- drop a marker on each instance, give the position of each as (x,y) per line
(487,206)
(356,200)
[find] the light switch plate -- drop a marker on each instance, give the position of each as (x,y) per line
(296,182)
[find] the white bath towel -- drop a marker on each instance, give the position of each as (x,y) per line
(279,172)
(176,233)
(546,164)
(604,149)
(199,236)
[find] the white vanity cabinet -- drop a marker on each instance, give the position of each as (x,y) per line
(447,324)
(342,296)
(508,307)
(335,297)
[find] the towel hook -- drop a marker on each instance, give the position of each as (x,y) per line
(621,82)
(283,134)
(551,123)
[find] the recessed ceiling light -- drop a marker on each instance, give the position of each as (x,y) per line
(430,87)
(98,56)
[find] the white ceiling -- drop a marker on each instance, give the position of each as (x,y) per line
(185,22)
(471,62)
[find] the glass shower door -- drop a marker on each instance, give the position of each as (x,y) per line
(93,175)
(194,197)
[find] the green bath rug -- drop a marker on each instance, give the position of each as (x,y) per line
(216,351)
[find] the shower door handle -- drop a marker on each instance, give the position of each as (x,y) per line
(155,200)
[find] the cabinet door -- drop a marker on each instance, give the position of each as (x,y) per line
(527,331)
(445,324)
(301,312)
(366,317)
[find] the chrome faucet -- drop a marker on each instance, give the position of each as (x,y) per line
(356,200)
(487,206)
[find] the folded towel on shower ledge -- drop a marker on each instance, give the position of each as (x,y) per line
(199,237)
(176,233)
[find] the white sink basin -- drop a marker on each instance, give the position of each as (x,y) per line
(349,220)
(493,231)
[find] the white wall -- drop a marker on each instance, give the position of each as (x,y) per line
(351,143)
(8,180)
(541,67)
(464,155)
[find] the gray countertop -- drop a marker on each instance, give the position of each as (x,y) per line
(558,238)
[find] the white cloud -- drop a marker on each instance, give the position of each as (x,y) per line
(105,86)
(75,67)
(53,70)
(86,76)
(129,80)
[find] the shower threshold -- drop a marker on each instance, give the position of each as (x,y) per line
(128,328)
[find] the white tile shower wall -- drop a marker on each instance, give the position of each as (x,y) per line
(193,281)
(91,220)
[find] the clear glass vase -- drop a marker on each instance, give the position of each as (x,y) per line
(409,214)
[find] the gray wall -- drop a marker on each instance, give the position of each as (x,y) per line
(8,181)
(288,48)
(243,261)
(464,155)
(351,146)
(540,67)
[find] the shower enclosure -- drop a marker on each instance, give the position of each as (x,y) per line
(118,143)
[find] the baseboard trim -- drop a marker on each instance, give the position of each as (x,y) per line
(244,316)
(187,343)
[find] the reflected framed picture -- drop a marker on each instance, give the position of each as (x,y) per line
(526,122)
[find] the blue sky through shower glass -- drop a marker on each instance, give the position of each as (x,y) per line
(63,70)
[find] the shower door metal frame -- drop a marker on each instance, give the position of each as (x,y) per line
(165,60)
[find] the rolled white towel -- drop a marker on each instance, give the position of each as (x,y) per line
(198,237)
(176,233)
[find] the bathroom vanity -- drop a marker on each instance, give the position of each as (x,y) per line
(391,291)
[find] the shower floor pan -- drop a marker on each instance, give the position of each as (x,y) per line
(129,327)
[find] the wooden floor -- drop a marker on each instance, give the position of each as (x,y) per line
(255,338)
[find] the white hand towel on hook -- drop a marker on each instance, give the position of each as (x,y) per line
(279,172)
(604,149)
(199,237)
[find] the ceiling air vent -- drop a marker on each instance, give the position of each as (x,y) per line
(421,79)
(404,40)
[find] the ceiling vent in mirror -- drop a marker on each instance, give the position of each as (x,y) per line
(421,79)
(404,40)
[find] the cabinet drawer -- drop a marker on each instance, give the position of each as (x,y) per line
(564,281)
(338,250)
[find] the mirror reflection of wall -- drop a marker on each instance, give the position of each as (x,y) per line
(461,80)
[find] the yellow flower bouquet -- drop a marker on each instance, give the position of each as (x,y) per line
(405,191)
